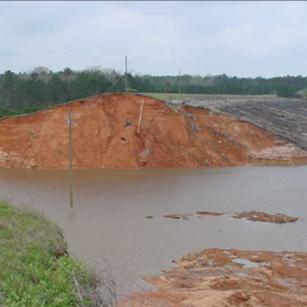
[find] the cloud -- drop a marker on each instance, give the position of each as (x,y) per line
(159,37)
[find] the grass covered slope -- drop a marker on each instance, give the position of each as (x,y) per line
(35,269)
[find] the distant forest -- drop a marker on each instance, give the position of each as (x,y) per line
(26,92)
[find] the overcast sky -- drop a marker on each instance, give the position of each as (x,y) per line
(236,38)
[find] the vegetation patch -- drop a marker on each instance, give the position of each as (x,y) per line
(21,92)
(19,111)
(35,269)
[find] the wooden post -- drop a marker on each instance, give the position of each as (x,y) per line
(70,157)
(140,117)
(179,81)
(126,74)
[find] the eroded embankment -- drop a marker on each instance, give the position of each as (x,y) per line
(105,135)
(217,277)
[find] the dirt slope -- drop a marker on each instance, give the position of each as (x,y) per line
(104,135)
(284,117)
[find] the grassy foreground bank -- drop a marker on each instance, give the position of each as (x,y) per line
(35,269)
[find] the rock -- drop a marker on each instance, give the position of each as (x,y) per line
(144,155)
(123,140)
(128,123)
(177,216)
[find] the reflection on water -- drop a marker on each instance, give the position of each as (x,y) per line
(107,227)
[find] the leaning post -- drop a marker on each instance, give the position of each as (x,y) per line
(70,157)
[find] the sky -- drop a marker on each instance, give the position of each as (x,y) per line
(246,39)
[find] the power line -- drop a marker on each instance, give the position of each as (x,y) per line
(70,141)
(70,148)
(113,85)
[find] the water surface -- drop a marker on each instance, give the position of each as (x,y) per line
(108,230)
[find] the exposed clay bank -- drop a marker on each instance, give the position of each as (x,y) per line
(105,134)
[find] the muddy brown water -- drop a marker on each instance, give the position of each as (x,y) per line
(107,228)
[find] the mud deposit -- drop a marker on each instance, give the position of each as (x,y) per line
(255,216)
(108,230)
(217,277)
(108,132)
(278,218)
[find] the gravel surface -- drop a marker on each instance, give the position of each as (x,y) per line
(284,117)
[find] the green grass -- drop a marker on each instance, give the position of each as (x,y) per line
(173,96)
(10,112)
(35,269)
(6,112)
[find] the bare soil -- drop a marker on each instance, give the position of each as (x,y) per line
(218,277)
(105,135)
(283,117)
(255,216)
(264,217)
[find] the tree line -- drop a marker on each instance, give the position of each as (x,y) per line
(27,92)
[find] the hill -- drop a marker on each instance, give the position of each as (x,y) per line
(105,134)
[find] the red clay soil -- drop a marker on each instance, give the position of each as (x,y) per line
(210,213)
(257,216)
(217,277)
(178,216)
(104,135)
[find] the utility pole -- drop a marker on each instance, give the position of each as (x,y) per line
(126,74)
(69,155)
(179,81)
